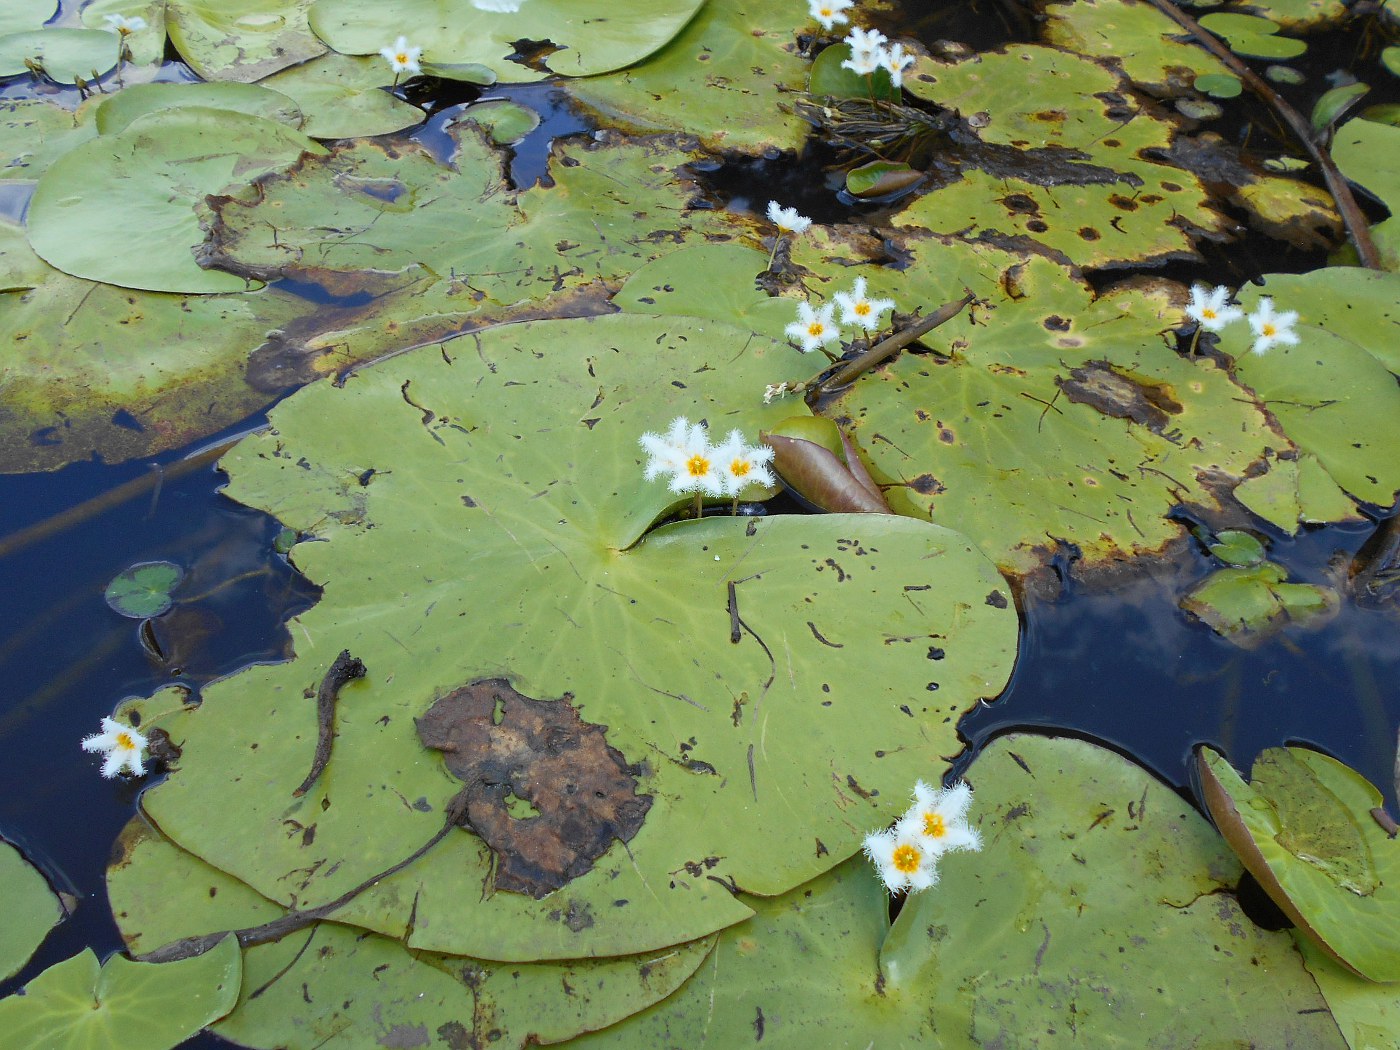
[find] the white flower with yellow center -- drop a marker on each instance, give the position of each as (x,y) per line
(402,58)
(939,817)
(121,747)
(863,63)
(858,309)
(741,465)
(896,62)
(1270,328)
(829,12)
(685,454)
(787,218)
(813,328)
(1210,308)
(904,861)
(123,26)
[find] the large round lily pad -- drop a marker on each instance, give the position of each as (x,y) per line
(149,177)
(64,55)
(476,510)
(343,96)
(241,40)
(581,37)
(1098,913)
(119,110)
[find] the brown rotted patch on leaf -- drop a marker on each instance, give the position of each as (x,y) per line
(1114,394)
(506,748)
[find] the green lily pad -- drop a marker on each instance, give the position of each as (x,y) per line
(881,177)
(20,268)
(1219,85)
(1246,605)
(507,122)
(1296,15)
(77,1004)
(708,280)
(1289,210)
(144,45)
(151,175)
(587,36)
(1252,36)
(1237,548)
(1141,40)
(1367,1013)
(1285,75)
(1362,149)
(117,111)
(19,15)
(1100,900)
(343,97)
(66,55)
(144,590)
(375,987)
(31,910)
(764,758)
(1390,58)
(1296,492)
(1088,194)
(1333,104)
(1304,829)
(728,77)
(242,40)
(829,79)
(33,133)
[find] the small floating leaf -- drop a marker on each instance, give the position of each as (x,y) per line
(1219,85)
(881,177)
(508,122)
(75,1005)
(1244,604)
(1334,103)
(144,590)
(1237,548)
(1252,36)
(1304,829)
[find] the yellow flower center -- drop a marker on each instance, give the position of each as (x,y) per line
(1208,314)
(697,466)
(125,742)
(402,58)
(815,329)
(934,827)
(1268,329)
(739,468)
(906,859)
(862,308)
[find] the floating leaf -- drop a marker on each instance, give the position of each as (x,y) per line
(34,133)
(1367,1013)
(336,983)
(879,178)
(580,37)
(1247,604)
(1237,548)
(144,590)
(1304,829)
(31,910)
(507,122)
(817,460)
(828,78)
(77,1004)
(65,55)
(859,641)
(727,77)
(1219,85)
(708,280)
(119,110)
(1333,104)
(242,40)
(344,97)
(1296,492)
(19,15)
(1252,36)
(143,45)
(1137,37)
(20,268)
(148,178)
(1100,899)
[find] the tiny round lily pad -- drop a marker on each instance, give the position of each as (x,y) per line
(143,590)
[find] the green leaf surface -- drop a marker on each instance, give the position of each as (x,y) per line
(19,15)
(708,280)
(1367,1013)
(75,1005)
(343,96)
(1252,36)
(879,178)
(31,910)
(830,80)
(144,590)
(241,40)
(728,77)
(1237,548)
(65,54)
(20,268)
(588,36)
(334,986)
(149,177)
(33,133)
(1332,104)
(1295,15)
(1304,829)
(1219,85)
(1099,900)
(144,46)
(1146,44)
(1247,604)
(1296,492)
(765,758)
(505,121)
(117,111)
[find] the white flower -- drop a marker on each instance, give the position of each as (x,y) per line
(771,392)
(866,39)
(741,465)
(863,63)
(122,747)
(939,817)
(1270,328)
(401,57)
(124,26)
(896,61)
(787,218)
(684,453)
(813,328)
(503,7)
(1209,307)
(904,861)
(829,12)
(858,310)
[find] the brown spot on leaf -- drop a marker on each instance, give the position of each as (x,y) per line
(1056,323)
(1089,233)
(1114,394)
(927,485)
(501,743)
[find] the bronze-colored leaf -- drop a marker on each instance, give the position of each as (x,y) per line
(820,477)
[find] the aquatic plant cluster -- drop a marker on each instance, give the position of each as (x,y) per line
(621,756)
